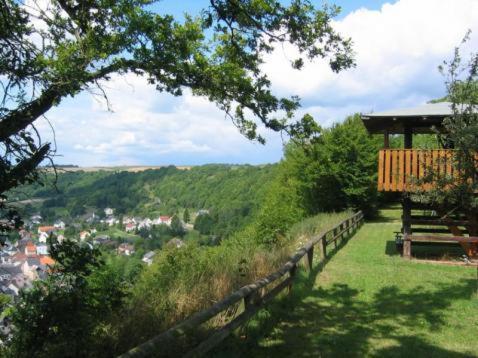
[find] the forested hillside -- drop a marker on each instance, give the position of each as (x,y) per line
(229,192)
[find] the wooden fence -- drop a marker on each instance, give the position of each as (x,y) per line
(254,296)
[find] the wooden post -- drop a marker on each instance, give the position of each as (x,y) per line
(386,139)
(407,247)
(310,257)
(292,272)
(406,225)
(248,301)
(408,138)
(406,215)
(324,246)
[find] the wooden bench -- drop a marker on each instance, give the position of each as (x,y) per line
(469,243)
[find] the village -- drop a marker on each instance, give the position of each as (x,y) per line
(27,259)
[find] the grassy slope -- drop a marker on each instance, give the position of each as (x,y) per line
(369,302)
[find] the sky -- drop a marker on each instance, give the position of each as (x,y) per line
(398,47)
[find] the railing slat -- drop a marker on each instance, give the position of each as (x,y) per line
(399,169)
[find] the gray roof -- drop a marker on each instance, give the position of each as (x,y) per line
(420,119)
(429,109)
(149,255)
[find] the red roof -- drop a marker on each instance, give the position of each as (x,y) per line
(46,228)
(30,249)
(165,218)
(46,260)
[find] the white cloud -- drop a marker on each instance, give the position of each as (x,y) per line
(398,49)
(147,127)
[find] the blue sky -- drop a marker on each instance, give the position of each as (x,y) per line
(398,46)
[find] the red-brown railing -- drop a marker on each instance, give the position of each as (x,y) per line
(399,169)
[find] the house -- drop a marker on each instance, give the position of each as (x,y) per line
(25,234)
(109,211)
(177,243)
(148,257)
(60,238)
(130,227)
(166,220)
(46,260)
(84,235)
(111,221)
(202,212)
(59,224)
(42,249)
(126,249)
(31,267)
(46,229)
(101,240)
(43,237)
(146,223)
(128,220)
(36,219)
(92,218)
(30,249)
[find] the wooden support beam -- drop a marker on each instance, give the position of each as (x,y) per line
(408,138)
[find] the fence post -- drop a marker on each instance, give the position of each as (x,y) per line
(292,272)
(324,245)
(248,301)
(310,257)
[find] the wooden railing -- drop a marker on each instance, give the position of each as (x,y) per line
(399,169)
(254,296)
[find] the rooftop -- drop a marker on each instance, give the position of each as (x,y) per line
(420,118)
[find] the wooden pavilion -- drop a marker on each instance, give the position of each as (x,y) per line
(399,170)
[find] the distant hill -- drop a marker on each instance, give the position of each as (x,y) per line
(231,193)
(127,168)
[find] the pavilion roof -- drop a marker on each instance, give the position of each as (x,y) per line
(420,119)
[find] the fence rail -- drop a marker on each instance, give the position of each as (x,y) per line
(253,296)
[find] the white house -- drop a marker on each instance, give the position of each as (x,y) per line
(146,223)
(111,221)
(42,249)
(166,220)
(148,257)
(43,237)
(126,249)
(130,227)
(109,211)
(84,235)
(36,219)
(59,224)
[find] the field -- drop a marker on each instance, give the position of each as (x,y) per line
(368,301)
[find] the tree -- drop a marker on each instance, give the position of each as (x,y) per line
(57,316)
(457,192)
(186,216)
(177,228)
(204,223)
(53,52)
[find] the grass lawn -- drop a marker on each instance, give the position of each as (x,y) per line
(114,232)
(368,301)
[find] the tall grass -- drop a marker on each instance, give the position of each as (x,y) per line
(186,280)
